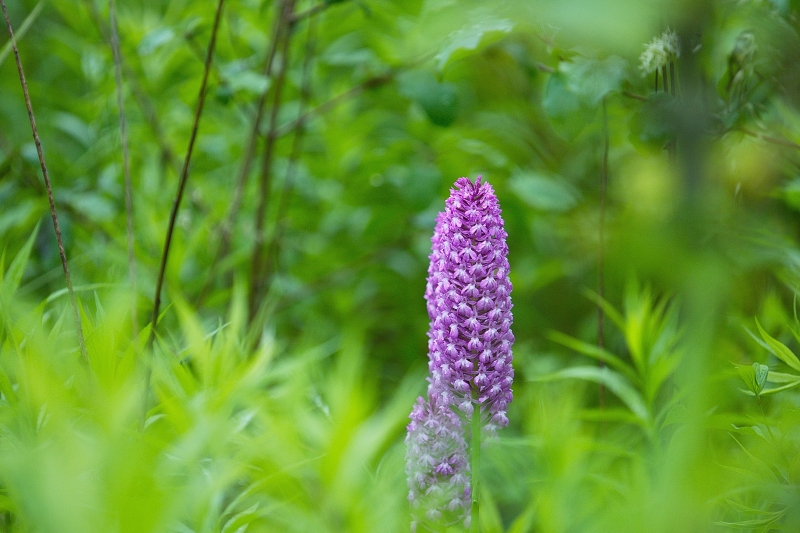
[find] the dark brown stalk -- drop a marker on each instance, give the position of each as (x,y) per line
(601,340)
(48,186)
(635,96)
(671,142)
(265,181)
(769,139)
(178,197)
(126,164)
(283,203)
(226,228)
(310,12)
(672,78)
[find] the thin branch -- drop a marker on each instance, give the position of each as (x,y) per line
(283,202)
(770,139)
(126,162)
(310,12)
(375,81)
(265,180)
(179,196)
(45,174)
(226,228)
(635,96)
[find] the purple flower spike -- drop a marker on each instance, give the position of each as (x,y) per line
(437,465)
(469,304)
(468,296)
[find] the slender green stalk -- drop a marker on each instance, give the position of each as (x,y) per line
(475,467)
(126,162)
(601,252)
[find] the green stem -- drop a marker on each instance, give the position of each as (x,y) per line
(475,464)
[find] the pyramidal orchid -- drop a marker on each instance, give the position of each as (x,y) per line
(468,297)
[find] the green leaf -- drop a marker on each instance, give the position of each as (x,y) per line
(754,377)
(13,277)
(155,40)
(466,41)
(540,192)
(592,79)
(779,349)
(438,100)
(616,383)
(567,111)
(590,350)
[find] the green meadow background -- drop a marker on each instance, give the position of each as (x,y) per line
(291,343)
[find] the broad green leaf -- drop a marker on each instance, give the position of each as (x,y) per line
(754,377)
(779,349)
(438,100)
(568,112)
(540,192)
(593,79)
(616,383)
(466,41)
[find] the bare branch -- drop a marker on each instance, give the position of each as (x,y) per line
(179,196)
(46,175)
(265,180)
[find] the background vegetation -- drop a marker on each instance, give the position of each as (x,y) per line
(291,340)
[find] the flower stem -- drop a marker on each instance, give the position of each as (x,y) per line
(475,464)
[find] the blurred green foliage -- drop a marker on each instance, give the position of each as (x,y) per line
(685,418)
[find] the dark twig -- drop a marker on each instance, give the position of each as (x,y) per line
(179,196)
(635,96)
(45,174)
(126,162)
(226,228)
(283,202)
(310,12)
(265,180)
(770,139)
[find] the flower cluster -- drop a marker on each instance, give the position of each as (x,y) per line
(469,348)
(659,52)
(438,466)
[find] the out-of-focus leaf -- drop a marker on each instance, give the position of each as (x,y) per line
(75,127)
(590,350)
(348,50)
(12,278)
(540,192)
(754,377)
(247,80)
(616,383)
(466,41)
(568,112)
(20,32)
(155,40)
(439,100)
(593,79)
(779,349)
